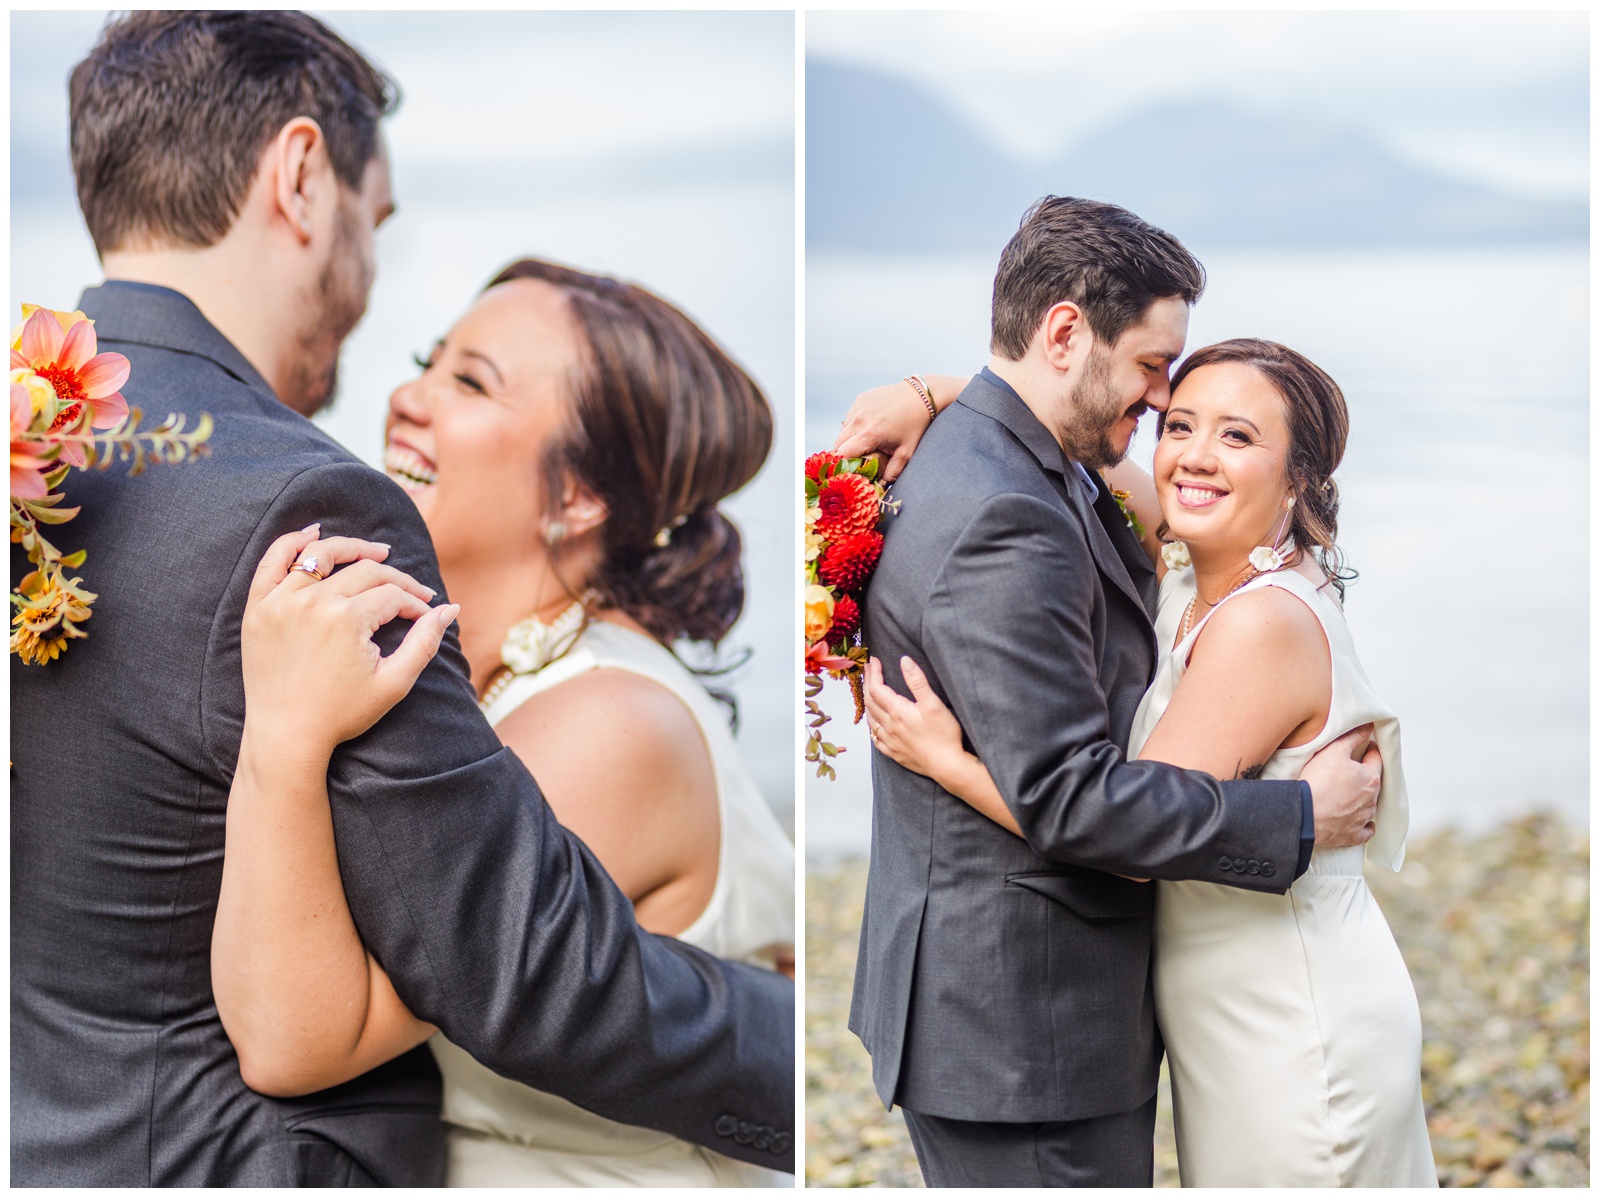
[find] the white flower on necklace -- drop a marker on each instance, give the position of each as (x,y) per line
(1265,558)
(531,644)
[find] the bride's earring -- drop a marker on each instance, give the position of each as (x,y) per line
(1266,558)
(555,532)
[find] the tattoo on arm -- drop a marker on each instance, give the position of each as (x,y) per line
(1251,772)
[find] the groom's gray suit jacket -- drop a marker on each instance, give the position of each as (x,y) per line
(494,923)
(1002,979)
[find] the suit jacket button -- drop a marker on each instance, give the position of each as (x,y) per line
(781,1142)
(1255,866)
(1267,869)
(746,1132)
(1224,863)
(1238,865)
(727,1125)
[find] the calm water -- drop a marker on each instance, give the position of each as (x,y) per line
(1465,487)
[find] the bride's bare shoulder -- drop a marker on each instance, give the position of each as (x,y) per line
(1267,633)
(615,719)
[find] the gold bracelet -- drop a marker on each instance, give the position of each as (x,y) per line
(924,393)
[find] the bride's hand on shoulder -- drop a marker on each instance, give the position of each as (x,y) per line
(313,677)
(920,733)
(891,420)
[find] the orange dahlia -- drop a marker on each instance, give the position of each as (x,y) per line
(848,562)
(820,465)
(849,504)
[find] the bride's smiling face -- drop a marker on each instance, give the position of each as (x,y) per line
(1221,466)
(467,439)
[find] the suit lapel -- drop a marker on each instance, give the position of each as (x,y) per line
(1000,404)
(1129,551)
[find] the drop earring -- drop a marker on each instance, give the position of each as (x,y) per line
(555,532)
(1266,558)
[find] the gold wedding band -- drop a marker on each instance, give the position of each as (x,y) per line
(309,566)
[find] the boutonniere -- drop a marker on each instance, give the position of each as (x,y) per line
(1122,498)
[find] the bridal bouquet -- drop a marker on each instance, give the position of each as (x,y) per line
(844,503)
(67,410)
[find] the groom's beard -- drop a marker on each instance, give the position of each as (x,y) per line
(1092,411)
(338,303)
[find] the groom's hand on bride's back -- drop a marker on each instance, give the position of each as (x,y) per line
(1345,777)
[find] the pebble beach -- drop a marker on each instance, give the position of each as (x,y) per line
(1495,930)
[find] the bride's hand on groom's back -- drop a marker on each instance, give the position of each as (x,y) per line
(313,677)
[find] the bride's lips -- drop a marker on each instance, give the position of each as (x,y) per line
(408,467)
(1198,495)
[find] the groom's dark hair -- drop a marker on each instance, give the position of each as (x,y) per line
(1103,258)
(171,111)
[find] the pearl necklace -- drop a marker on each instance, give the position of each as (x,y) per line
(531,645)
(1188,612)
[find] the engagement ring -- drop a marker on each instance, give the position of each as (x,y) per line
(308,565)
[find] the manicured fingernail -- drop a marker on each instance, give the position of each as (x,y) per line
(431,592)
(382,545)
(450,612)
(312,527)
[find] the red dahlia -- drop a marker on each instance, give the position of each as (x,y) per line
(820,465)
(848,562)
(849,504)
(846,619)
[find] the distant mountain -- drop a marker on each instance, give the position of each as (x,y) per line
(890,167)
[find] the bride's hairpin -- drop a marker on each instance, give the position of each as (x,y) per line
(663,536)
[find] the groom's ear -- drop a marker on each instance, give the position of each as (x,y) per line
(1063,328)
(302,171)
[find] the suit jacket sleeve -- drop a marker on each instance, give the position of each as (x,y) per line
(494,922)
(1014,648)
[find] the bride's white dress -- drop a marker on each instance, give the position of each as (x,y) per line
(1292,1032)
(502,1133)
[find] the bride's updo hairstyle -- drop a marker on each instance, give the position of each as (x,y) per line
(662,425)
(1319,425)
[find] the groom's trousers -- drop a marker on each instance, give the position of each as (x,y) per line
(1109,1150)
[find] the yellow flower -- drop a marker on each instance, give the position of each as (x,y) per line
(53,606)
(819,612)
(65,319)
(40,393)
(814,542)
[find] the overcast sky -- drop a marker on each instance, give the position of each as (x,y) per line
(559,89)
(1496,96)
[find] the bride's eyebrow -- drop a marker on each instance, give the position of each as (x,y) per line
(488,362)
(1242,420)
